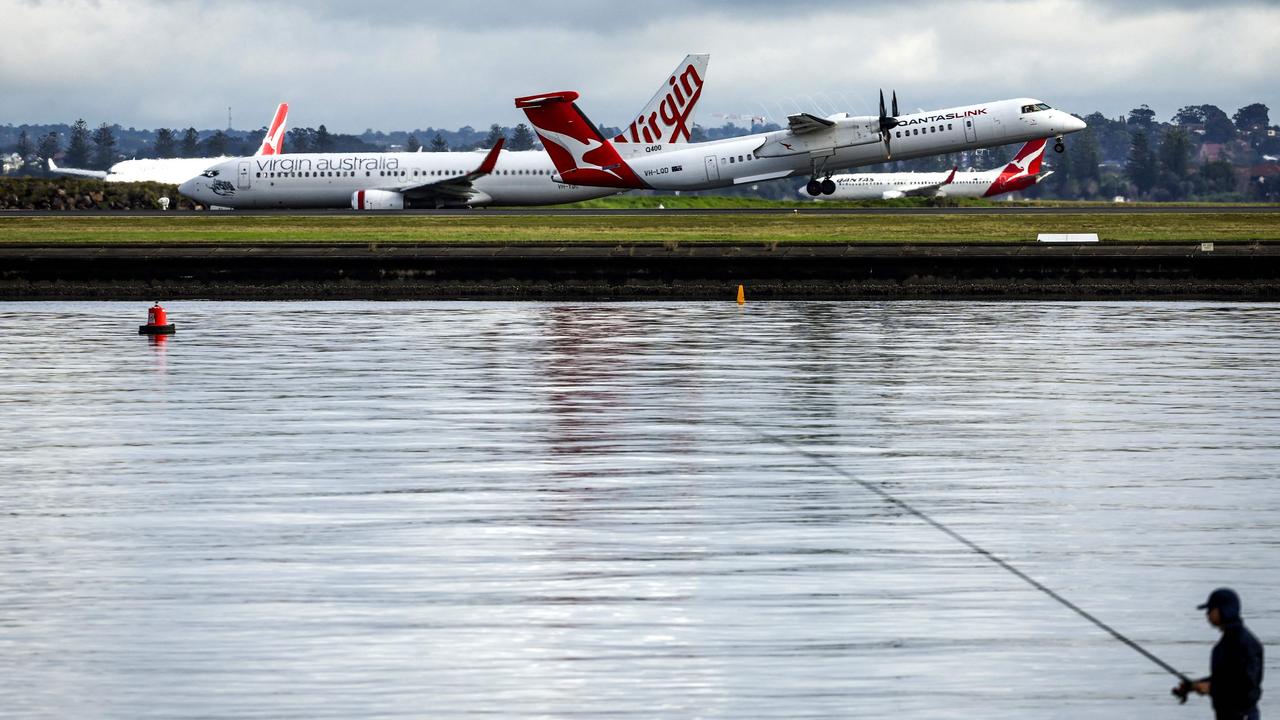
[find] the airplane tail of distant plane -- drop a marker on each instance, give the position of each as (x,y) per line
(1022,172)
(582,155)
(273,141)
(76,172)
(668,118)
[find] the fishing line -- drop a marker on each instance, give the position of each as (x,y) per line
(822,461)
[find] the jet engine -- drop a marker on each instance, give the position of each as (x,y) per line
(377,200)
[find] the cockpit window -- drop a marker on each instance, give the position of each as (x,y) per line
(1034,108)
(1042,106)
(209,173)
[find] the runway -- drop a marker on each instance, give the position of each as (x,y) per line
(815,209)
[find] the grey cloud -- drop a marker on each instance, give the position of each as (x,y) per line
(150,63)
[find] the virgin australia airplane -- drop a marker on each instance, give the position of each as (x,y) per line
(393,181)
(1020,174)
(175,171)
(811,145)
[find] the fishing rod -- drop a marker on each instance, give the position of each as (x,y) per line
(886,496)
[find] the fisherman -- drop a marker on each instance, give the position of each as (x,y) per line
(1236,680)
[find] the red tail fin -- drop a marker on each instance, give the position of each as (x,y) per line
(1021,173)
(1029,157)
(273,141)
(581,154)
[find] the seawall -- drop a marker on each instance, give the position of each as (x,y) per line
(627,272)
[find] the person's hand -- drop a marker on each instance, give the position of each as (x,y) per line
(1201,688)
(1182,690)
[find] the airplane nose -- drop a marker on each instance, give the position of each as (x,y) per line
(188,188)
(1074,124)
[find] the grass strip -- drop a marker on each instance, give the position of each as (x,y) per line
(478,228)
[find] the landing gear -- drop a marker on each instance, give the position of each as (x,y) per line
(818,169)
(1058,147)
(818,187)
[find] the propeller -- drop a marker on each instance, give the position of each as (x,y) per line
(888,122)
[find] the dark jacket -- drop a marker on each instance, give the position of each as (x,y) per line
(1236,683)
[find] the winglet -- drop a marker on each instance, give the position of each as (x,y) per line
(491,159)
(952,177)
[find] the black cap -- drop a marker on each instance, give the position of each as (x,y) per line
(1220,598)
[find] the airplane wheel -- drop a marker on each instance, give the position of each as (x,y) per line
(1059,148)
(828,187)
(814,187)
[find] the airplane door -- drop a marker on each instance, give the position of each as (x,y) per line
(244,175)
(713,168)
(970,134)
(997,128)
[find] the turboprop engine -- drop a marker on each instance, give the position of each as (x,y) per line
(818,135)
(377,200)
(821,137)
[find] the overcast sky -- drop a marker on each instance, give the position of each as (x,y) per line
(403,65)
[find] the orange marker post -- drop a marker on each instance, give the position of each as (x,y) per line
(742,295)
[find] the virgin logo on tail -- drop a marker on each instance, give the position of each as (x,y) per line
(668,118)
(273,141)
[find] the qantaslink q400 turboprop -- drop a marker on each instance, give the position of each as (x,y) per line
(393,181)
(1021,173)
(811,145)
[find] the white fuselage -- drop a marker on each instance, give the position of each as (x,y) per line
(170,171)
(328,180)
(703,166)
(887,186)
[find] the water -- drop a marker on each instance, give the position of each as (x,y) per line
(405,510)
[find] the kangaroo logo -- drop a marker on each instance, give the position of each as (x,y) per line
(578,150)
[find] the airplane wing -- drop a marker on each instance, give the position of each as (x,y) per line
(76,172)
(930,190)
(805,123)
(454,188)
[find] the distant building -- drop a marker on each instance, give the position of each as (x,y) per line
(1213,152)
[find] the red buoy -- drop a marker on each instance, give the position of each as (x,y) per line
(157,323)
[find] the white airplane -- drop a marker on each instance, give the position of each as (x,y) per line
(810,146)
(1020,174)
(175,171)
(393,181)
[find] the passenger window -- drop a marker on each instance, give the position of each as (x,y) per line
(730,159)
(739,158)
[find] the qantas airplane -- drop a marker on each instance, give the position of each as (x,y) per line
(811,145)
(393,181)
(175,171)
(1020,174)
